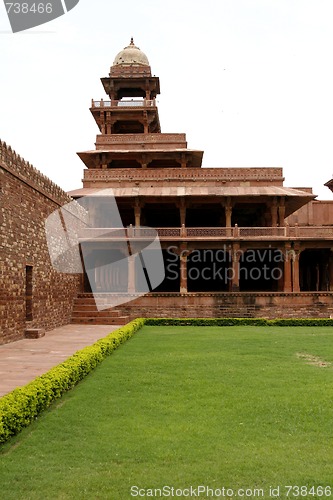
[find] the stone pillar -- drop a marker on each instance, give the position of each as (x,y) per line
(228,214)
(235,256)
(137,214)
(104,163)
(274,212)
(295,261)
(330,270)
(287,286)
(131,274)
(183,268)
(108,122)
(182,212)
(281,212)
(145,123)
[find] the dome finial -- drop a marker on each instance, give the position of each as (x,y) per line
(132,41)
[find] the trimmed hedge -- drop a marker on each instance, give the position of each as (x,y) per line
(24,404)
(238,322)
(21,406)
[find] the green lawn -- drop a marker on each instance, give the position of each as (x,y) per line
(234,407)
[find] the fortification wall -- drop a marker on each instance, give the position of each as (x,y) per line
(27,197)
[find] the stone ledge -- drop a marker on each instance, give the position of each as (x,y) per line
(34,333)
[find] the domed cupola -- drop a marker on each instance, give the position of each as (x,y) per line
(130,78)
(130,62)
(131,55)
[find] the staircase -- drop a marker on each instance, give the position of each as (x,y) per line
(85,312)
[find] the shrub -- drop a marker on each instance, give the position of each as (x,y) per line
(238,322)
(24,404)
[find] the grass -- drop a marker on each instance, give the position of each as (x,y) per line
(233,407)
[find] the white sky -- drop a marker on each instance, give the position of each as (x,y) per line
(249,81)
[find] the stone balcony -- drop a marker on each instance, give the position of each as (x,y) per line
(133,103)
(210,233)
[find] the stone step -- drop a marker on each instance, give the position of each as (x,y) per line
(91,302)
(95,320)
(83,313)
(79,306)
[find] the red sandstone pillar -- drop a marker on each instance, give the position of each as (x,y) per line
(183,273)
(183,254)
(330,271)
(287,287)
(137,215)
(228,213)
(296,287)
(131,274)
(274,213)
(282,211)
(235,268)
(182,212)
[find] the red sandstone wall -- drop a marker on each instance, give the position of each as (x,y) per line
(27,198)
(232,305)
(314,213)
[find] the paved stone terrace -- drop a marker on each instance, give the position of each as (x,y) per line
(24,360)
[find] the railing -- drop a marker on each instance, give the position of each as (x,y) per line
(211,233)
(262,232)
(133,103)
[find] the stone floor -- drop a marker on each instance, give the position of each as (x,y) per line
(24,360)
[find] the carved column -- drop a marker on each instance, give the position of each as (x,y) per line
(330,270)
(296,285)
(108,122)
(137,213)
(104,161)
(182,212)
(183,268)
(235,256)
(281,212)
(183,160)
(145,123)
(287,286)
(228,214)
(274,214)
(131,274)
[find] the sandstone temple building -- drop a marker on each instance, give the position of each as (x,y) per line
(235,241)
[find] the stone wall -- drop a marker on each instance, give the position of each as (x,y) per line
(27,197)
(314,213)
(231,305)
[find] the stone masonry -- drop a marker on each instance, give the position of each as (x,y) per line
(27,197)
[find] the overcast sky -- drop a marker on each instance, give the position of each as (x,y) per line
(249,81)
